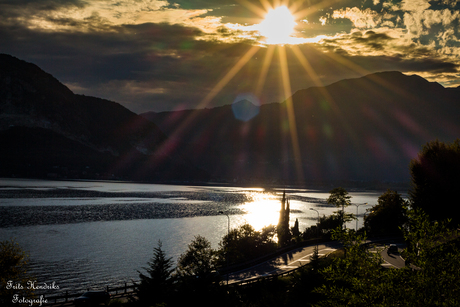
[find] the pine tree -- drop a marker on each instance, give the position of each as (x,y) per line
(157,286)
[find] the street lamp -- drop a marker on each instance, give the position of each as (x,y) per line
(228,238)
(357,205)
(316,212)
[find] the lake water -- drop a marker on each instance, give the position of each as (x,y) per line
(83,235)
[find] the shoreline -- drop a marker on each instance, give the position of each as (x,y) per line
(326,186)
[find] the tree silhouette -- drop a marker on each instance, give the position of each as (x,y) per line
(387,216)
(340,198)
(283,231)
(436,180)
(198,280)
(244,243)
(295,229)
(199,259)
(156,287)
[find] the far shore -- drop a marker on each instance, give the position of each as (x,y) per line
(326,186)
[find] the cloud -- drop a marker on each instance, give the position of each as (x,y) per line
(161,55)
(77,16)
(415,5)
(360,18)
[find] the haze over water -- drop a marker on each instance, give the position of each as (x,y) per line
(92,234)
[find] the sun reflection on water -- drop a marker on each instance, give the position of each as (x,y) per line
(262,210)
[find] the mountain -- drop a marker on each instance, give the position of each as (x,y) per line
(364,129)
(46,130)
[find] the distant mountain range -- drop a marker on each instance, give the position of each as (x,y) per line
(48,131)
(364,129)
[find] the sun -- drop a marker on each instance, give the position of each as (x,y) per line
(278,25)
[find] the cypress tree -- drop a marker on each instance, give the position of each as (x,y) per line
(283,231)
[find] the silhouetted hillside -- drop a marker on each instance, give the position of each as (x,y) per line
(84,136)
(359,129)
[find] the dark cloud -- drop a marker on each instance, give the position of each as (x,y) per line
(376,41)
(24,8)
(43,4)
(429,65)
(421,65)
(169,65)
(215,4)
(149,56)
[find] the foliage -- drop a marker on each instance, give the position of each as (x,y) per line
(324,227)
(283,231)
(156,288)
(388,216)
(13,268)
(295,229)
(353,277)
(245,243)
(358,279)
(198,280)
(350,280)
(198,261)
(435,250)
(340,198)
(436,179)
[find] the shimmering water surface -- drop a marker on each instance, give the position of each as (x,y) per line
(92,234)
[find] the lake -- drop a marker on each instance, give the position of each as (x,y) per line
(82,234)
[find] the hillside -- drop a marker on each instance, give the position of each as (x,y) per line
(365,129)
(46,130)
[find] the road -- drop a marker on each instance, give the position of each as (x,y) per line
(392,260)
(301,256)
(283,263)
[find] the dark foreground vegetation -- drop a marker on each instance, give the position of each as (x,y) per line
(352,276)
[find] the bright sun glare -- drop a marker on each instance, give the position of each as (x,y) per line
(262,210)
(278,25)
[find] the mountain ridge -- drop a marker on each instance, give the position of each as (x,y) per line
(365,128)
(38,102)
(360,129)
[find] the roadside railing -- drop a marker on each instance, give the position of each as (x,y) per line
(267,277)
(67,298)
(129,288)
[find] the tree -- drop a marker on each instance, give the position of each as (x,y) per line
(388,216)
(340,198)
(198,280)
(354,280)
(359,280)
(436,180)
(323,227)
(156,287)
(295,229)
(435,250)
(245,243)
(198,261)
(283,231)
(13,268)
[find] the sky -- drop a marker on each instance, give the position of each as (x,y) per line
(164,55)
